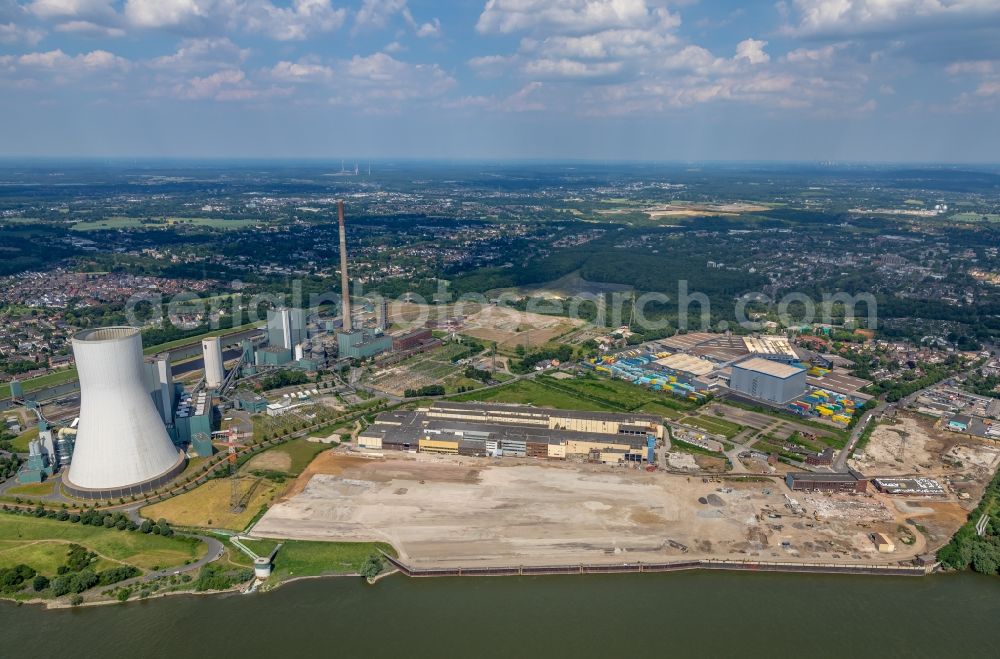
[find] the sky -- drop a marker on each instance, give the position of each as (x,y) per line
(660,80)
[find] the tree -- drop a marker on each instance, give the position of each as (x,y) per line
(371,567)
(40,583)
(985,558)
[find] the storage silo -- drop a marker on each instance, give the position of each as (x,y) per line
(215,372)
(122,447)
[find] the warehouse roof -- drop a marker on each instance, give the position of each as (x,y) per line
(768,367)
(501,408)
(687,363)
(777,346)
(811,476)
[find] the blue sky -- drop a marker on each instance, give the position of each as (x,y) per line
(847,80)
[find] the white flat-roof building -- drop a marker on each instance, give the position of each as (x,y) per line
(768,380)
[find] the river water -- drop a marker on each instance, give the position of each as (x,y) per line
(705,614)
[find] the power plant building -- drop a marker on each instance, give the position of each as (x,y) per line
(286,328)
(767,380)
(122,446)
(215,371)
(160,384)
(362,344)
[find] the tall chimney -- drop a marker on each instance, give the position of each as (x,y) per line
(345,287)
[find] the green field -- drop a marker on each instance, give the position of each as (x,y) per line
(151,350)
(34,489)
(583,393)
(527,392)
(20,443)
(301,558)
(301,452)
(714,425)
(975,217)
(42,381)
(114,223)
(45,541)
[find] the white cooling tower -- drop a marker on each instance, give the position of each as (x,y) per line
(215,372)
(122,447)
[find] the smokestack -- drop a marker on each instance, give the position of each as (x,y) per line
(345,288)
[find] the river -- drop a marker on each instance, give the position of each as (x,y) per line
(705,614)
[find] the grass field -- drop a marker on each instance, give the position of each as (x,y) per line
(300,453)
(714,425)
(656,407)
(20,443)
(208,505)
(527,392)
(42,544)
(584,393)
(975,217)
(34,489)
(42,381)
(135,223)
(300,558)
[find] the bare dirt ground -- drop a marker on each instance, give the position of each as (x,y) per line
(510,327)
(448,511)
(913,445)
(270,460)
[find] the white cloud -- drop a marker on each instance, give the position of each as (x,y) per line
(376,14)
(524,99)
(568,68)
(226,83)
(430,29)
(49,9)
(752,51)
(164,13)
(296,22)
(975,67)
(569,16)
(284,21)
(11,33)
(815,55)
(384,82)
(90,29)
(301,71)
(202,54)
(61,64)
(828,17)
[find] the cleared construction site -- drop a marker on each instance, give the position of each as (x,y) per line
(441,511)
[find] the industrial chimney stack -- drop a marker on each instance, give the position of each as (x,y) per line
(345,288)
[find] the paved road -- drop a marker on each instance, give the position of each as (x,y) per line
(840,463)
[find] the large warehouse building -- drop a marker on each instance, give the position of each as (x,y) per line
(479,429)
(122,446)
(767,380)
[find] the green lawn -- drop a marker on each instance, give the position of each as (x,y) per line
(34,489)
(527,392)
(975,217)
(300,558)
(114,223)
(714,425)
(23,538)
(302,452)
(42,381)
(20,443)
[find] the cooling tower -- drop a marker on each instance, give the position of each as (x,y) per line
(122,447)
(215,372)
